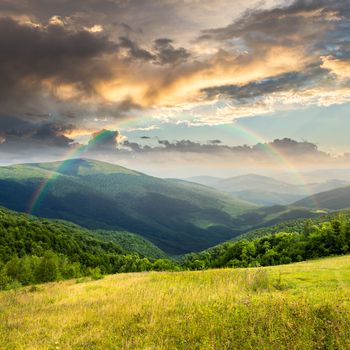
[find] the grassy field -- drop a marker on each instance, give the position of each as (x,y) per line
(300,306)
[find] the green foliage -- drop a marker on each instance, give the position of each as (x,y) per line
(131,242)
(95,273)
(34,250)
(313,241)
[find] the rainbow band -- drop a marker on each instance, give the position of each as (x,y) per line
(74,152)
(77,151)
(275,154)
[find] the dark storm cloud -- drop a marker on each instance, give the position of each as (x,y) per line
(305,20)
(133,146)
(35,59)
(260,152)
(32,55)
(163,51)
(189,146)
(104,140)
(45,9)
(52,134)
(215,142)
(22,134)
(134,50)
(312,76)
(168,54)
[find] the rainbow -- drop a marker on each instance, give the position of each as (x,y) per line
(73,153)
(274,153)
(79,150)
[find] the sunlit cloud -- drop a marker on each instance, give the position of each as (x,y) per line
(74,68)
(340,67)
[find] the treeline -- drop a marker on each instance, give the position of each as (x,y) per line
(34,250)
(296,225)
(315,240)
(32,269)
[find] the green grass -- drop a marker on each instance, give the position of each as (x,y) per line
(300,306)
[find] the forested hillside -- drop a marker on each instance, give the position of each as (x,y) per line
(178,217)
(34,250)
(316,239)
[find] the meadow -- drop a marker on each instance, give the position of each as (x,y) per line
(298,306)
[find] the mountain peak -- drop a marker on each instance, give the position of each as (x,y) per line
(84,167)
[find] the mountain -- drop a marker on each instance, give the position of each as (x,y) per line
(327,185)
(177,216)
(267,191)
(253,182)
(336,199)
(322,175)
(258,189)
(204,180)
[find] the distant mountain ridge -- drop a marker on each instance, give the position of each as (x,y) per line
(264,190)
(336,199)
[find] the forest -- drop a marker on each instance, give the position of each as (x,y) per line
(314,240)
(34,250)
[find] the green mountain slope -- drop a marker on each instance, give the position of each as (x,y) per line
(335,199)
(130,242)
(177,216)
(281,244)
(23,234)
(293,225)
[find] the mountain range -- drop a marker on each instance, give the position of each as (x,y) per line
(177,216)
(264,190)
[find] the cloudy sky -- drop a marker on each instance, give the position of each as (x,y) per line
(198,83)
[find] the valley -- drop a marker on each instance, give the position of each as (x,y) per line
(177,216)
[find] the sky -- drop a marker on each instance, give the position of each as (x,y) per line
(177,87)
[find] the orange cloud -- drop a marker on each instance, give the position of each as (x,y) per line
(166,87)
(340,67)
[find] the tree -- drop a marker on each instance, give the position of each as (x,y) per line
(48,268)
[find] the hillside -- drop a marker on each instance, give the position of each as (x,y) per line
(297,306)
(35,250)
(22,234)
(178,217)
(130,242)
(281,244)
(335,199)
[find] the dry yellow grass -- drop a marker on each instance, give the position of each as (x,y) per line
(300,306)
